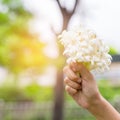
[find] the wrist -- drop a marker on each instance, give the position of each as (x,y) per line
(95,102)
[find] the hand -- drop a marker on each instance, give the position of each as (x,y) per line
(81,85)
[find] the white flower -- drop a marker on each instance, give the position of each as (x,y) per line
(82,45)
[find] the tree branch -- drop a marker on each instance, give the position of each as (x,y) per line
(66,14)
(58,2)
(75,6)
(53,30)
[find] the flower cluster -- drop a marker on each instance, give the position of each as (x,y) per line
(82,45)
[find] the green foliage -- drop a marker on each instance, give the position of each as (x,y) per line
(33,93)
(38,93)
(113,51)
(16,6)
(12,94)
(108,91)
(19,48)
(68,97)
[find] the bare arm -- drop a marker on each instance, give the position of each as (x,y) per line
(84,91)
(103,110)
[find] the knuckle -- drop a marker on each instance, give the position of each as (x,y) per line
(65,69)
(66,81)
(70,91)
(67,88)
(72,66)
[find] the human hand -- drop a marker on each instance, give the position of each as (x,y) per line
(81,85)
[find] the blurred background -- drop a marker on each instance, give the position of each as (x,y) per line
(31,60)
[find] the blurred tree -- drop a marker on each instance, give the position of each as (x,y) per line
(19,48)
(59,88)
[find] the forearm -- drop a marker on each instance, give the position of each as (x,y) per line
(103,110)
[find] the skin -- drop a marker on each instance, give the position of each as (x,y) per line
(81,85)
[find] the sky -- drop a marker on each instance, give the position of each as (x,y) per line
(102,16)
(104,19)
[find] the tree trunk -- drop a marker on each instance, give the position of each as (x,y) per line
(59,88)
(59,97)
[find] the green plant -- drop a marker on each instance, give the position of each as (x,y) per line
(12,94)
(113,51)
(107,90)
(38,93)
(33,92)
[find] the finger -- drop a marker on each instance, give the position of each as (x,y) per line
(72,84)
(73,67)
(71,91)
(79,67)
(70,74)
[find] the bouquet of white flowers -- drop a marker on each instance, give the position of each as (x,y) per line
(83,45)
